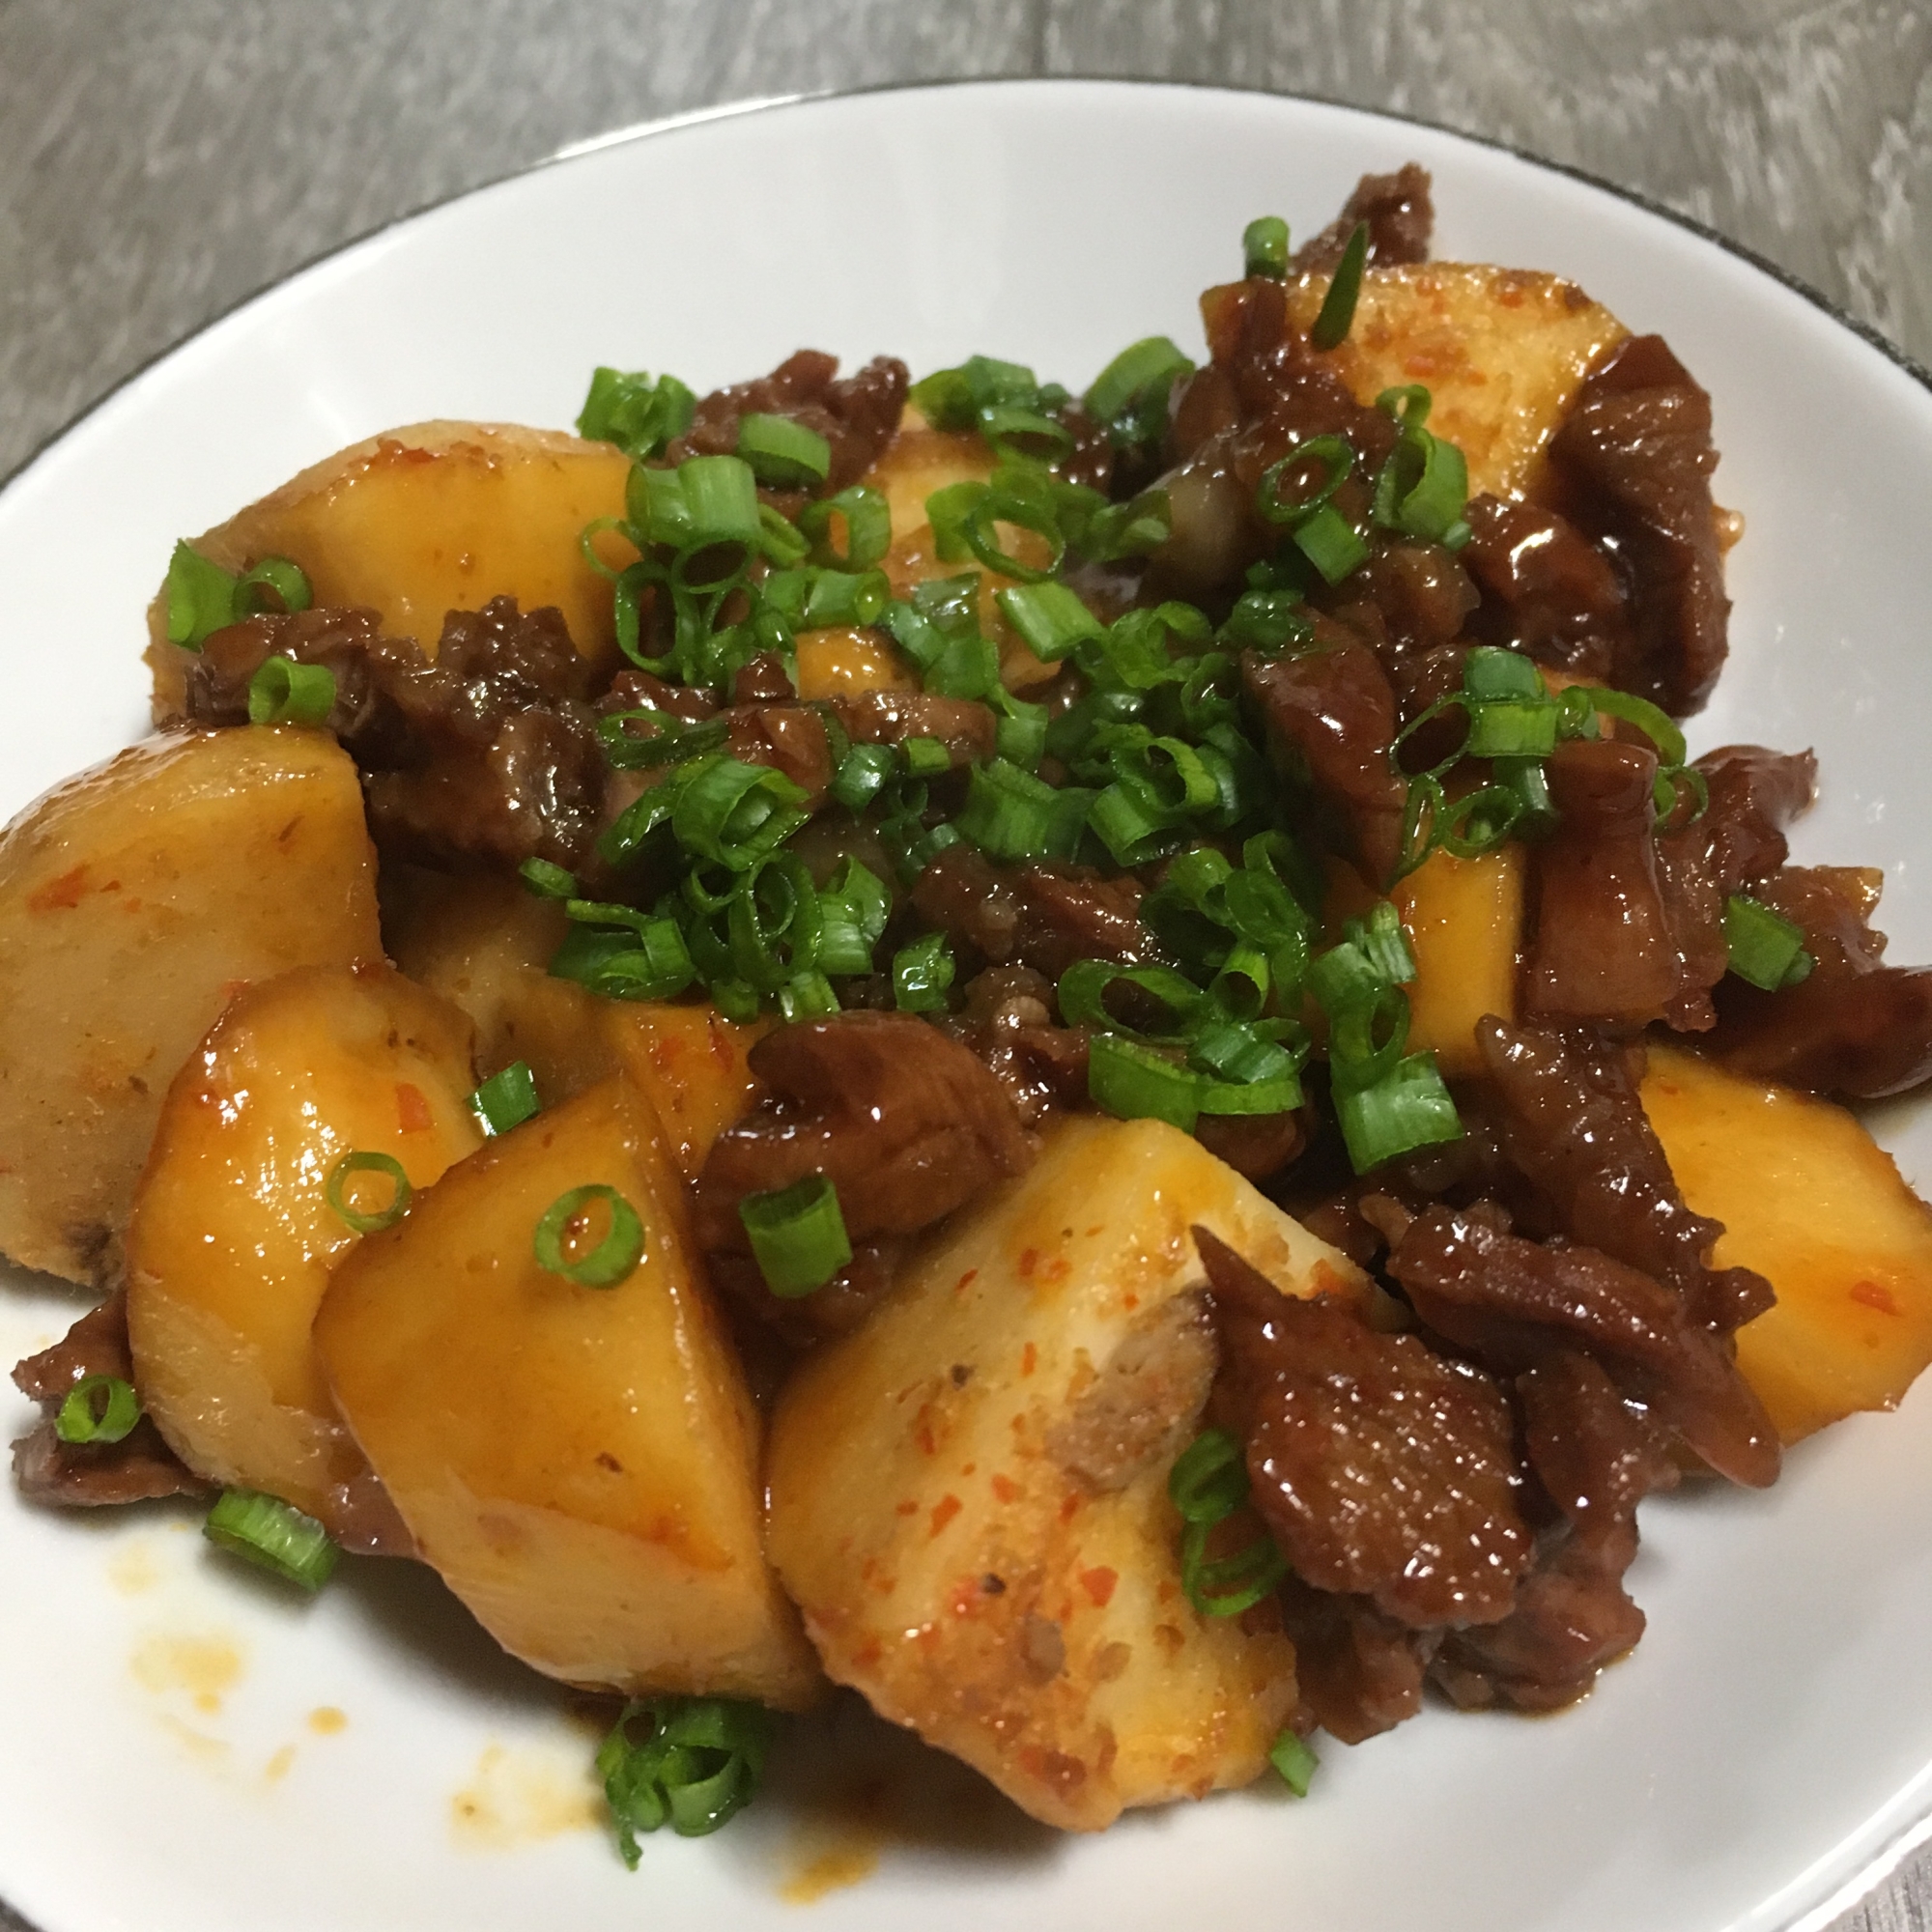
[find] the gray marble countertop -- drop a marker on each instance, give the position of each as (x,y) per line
(159,162)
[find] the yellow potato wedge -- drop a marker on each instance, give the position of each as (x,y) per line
(232,1238)
(578,1463)
(968,1493)
(1810,1200)
(1503,352)
(484,943)
(436,517)
(1464,922)
(133,900)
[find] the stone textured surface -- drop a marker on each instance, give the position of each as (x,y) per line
(159,162)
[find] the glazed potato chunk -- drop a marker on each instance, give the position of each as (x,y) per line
(578,1463)
(1810,1200)
(233,1237)
(1463,917)
(484,943)
(133,900)
(438,517)
(969,1493)
(1503,352)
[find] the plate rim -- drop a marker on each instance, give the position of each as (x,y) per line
(1915,1830)
(764,104)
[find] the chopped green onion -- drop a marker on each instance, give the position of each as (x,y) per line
(1020,734)
(646,961)
(1329,541)
(782,453)
(863,770)
(1654,724)
(1492,672)
(1013,430)
(1502,727)
(1295,1760)
(922,974)
(641,416)
(506,1100)
(1337,456)
(546,880)
(697,1768)
(1137,527)
(97,1408)
(363,1160)
(1134,1082)
(1207,1485)
(612,1259)
(808,997)
(1337,305)
(1009,813)
(1083,989)
(735,812)
(283,692)
(1131,394)
(869,527)
(1410,404)
(1406,1109)
(1050,617)
(854,906)
(272,1535)
(288,583)
(1268,621)
(798,1236)
(1766,949)
(1265,248)
(203,598)
(925,757)
(774,920)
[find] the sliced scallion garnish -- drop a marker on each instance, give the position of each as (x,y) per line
(1265,248)
(1338,306)
(97,1408)
(283,692)
(507,1098)
(1766,949)
(798,1236)
(272,1535)
(697,1765)
(782,453)
(363,1160)
(566,1223)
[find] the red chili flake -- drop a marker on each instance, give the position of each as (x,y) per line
(61,894)
(1099,1584)
(1028,1356)
(965,1281)
(908,1508)
(412,1108)
(1028,1260)
(1072,1504)
(1874,1294)
(943,1513)
(1059,1268)
(1005,1489)
(869,1652)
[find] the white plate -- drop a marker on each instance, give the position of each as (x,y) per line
(1770,1739)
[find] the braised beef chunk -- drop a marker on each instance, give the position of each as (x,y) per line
(1008,1021)
(1401,218)
(962,894)
(1381,1468)
(905,1122)
(85,1475)
(1596,1460)
(487,751)
(790,738)
(1072,912)
(1566,1107)
(1359,1672)
(1856,1027)
(966,728)
(1547,590)
(857,414)
(1407,603)
(1602,948)
(1513,1304)
(1635,461)
(1330,717)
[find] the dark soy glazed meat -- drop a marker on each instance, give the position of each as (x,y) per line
(86,1475)
(966,728)
(1381,1468)
(1856,1027)
(1603,946)
(1546,589)
(1596,1460)
(906,1123)
(1633,460)
(1007,1022)
(488,751)
(1513,1304)
(1565,1107)
(857,414)
(1400,217)
(1330,716)
(1359,1673)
